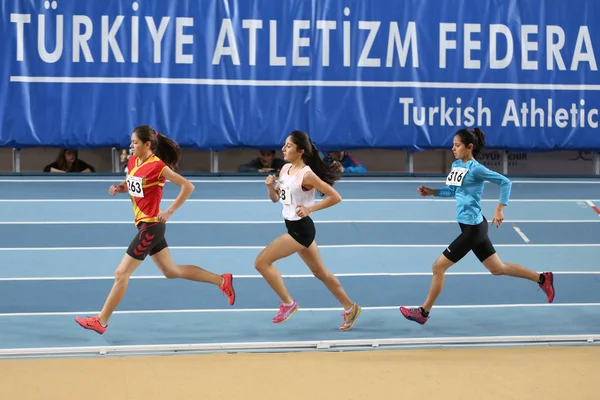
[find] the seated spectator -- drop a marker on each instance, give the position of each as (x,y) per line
(267,162)
(345,161)
(67,161)
(123,159)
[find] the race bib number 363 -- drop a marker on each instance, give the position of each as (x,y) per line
(284,195)
(456,176)
(134,186)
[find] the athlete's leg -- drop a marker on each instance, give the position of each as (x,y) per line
(497,267)
(281,247)
(439,268)
(312,258)
(453,253)
(486,253)
(122,274)
(164,262)
(147,237)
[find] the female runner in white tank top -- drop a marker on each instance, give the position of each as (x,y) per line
(304,174)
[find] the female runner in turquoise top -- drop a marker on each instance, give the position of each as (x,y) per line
(465,182)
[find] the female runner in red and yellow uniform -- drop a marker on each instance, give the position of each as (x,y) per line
(154,157)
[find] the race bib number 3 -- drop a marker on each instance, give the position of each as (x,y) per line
(284,195)
(134,186)
(456,176)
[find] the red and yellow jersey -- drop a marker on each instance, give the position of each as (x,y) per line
(145,185)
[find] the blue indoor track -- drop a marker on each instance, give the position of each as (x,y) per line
(62,239)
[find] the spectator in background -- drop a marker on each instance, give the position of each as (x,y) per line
(67,161)
(345,161)
(267,162)
(123,159)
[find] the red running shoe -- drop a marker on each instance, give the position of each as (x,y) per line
(227,288)
(92,323)
(548,285)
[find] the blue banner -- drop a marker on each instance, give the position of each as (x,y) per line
(218,74)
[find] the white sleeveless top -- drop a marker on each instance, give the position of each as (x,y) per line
(291,193)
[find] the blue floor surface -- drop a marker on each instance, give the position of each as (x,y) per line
(369,291)
(223,230)
(343,233)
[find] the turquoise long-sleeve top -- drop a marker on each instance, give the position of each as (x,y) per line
(466,182)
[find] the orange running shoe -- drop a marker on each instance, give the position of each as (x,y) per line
(227,288)
(92,323)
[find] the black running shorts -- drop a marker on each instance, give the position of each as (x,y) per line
(472,237)
(149,240)
(302,230)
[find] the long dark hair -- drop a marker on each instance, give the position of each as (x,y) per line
(311,157)
(61,160)
(475,137)
(164,148)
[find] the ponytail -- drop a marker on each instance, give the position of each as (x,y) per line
(164,148)
(479,135)
(168,151)
(327,173)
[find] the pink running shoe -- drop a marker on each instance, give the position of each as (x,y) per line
(413,314)
(285,312)
(548,286)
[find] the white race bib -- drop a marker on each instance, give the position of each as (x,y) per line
(134,186)
(285,195)
(456,176)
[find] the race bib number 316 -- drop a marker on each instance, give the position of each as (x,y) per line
(456,176)
(134,186)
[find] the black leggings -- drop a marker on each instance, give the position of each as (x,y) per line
(472,237)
